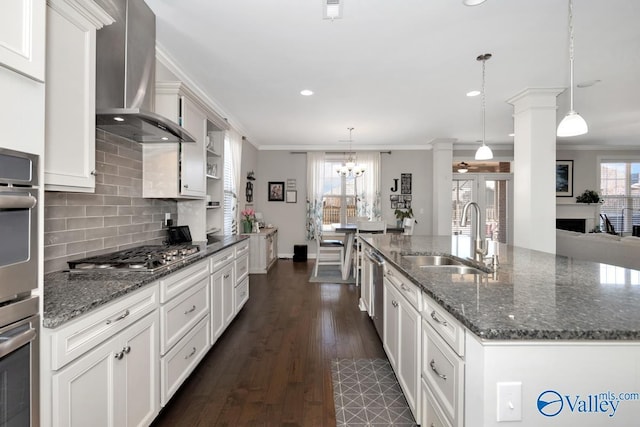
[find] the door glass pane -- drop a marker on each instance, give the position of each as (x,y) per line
(462,193)
(496,210)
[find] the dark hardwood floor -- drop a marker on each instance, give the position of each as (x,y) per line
(272,367)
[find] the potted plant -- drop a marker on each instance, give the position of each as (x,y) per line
(588,196)
(401,215)
(248,217)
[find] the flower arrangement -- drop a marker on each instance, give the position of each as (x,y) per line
(248,215)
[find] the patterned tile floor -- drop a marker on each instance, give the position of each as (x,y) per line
(366,393)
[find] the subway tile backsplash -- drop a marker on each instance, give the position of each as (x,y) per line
(77,225)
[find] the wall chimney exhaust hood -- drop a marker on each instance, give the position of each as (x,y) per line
(126,74)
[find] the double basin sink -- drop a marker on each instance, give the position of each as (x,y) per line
(441,263)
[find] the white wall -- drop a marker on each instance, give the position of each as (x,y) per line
(288,217)
(418,164)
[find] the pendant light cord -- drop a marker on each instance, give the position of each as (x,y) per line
(571,54)
(484,61)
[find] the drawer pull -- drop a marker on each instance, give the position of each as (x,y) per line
(404,287)
(191,310)
(433,368)
(119,355)
(122,316)
(126,350)
(434,317)
(394,303)
(226,276)
(193,351)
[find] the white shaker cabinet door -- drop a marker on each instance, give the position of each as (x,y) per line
(22,37)
(193,168)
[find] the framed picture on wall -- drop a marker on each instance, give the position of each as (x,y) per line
(564,178)
(276,191)
(292,196)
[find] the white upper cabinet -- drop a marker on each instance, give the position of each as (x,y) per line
(177,170)
(70,94)
(22,37)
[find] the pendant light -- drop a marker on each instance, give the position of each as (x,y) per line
(350,167)
(573,124)
(484,152)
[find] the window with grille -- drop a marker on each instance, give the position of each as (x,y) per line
(620,191)
(339,196)
(230,191)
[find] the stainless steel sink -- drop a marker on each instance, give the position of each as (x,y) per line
(453,269)
(441,264)
(431,260)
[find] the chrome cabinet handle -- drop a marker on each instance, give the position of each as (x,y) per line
(122,316)
(126,350)
(193,351)
(404,287)
(226,276)
(433,368)
(394,303)
(186,185)
(434,317)
(191,310)
(93,172)
(119,355)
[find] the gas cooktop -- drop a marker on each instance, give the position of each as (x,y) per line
(150,258)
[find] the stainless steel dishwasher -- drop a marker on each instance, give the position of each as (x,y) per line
(377,273)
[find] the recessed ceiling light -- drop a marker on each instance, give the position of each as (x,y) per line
(473,93)
(588,83)
(306,92)
(473,2)
(118,119)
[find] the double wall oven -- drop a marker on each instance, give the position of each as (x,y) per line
(19,320)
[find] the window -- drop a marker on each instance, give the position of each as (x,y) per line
(620,191)
(232,156)
(339,195)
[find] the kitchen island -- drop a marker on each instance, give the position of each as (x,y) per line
(547,340)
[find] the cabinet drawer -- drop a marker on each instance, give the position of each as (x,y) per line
(176,366)
(242,248)
(443,371)
(178,282)
(432,415)
(85,333)
(407,289)
(220,259)
(242,268)
(242,294)
(449,328)
(181,313)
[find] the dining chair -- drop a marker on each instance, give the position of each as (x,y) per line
(365,227)
(327,250)
(407,225)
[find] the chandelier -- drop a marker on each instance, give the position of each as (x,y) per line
(350,167)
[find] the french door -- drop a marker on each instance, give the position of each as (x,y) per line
(493,192)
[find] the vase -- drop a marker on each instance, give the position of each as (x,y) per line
(247,226)
(399,223)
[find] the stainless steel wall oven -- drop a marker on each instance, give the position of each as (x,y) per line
(19,320)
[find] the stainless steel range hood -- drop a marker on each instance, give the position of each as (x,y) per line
(125,76)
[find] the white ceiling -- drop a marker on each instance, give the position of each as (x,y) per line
(398,70)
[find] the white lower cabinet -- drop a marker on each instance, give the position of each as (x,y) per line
(264,250)
(432,415)
(402,334)
(115,384)
(222,292)
(181,360)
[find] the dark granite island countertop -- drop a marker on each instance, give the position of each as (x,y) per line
(69,295)
(533,296)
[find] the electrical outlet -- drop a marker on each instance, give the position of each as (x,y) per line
(509,401)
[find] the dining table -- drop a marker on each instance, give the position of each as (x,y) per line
(349,231)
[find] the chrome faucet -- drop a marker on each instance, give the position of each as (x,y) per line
(479,251)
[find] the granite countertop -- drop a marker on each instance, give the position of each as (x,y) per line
(69,295)
(533,295)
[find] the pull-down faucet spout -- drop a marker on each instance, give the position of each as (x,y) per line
(479,251)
